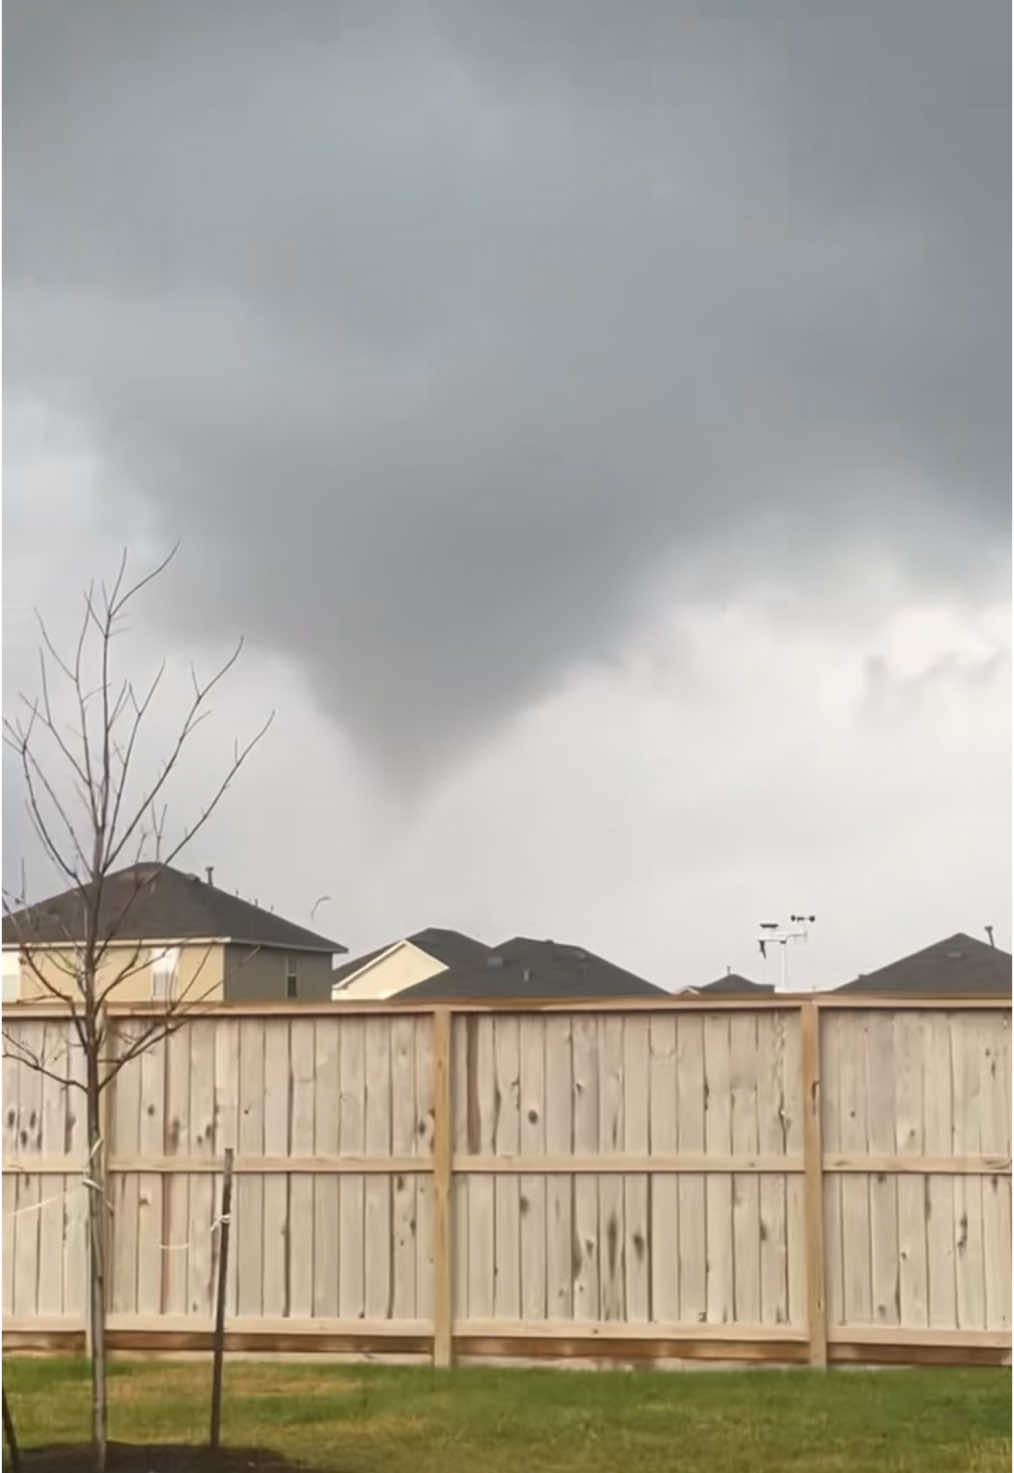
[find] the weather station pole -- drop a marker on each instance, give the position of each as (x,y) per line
(774,934)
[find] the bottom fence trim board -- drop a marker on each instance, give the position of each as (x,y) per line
(270,1325)
(622,1348)
(917,1355)
(612,1330)
(896,1335)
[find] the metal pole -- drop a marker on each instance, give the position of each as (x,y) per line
(223,1263)
(12,1441)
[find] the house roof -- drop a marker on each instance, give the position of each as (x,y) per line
(452,948)
(954,967)
(163,904)
(733,985)
(523,967)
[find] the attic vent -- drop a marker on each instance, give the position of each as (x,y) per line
(955,956)
(494,961)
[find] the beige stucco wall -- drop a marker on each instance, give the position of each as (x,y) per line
(199,972)
(401,968)
(258,974)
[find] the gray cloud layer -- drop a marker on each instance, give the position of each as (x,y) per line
(442,334)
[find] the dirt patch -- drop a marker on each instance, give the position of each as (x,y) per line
(151,1458)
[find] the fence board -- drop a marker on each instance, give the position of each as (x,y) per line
(352,1142)
(663,1139)
(532,1189)
(302,1218)
(938,1104)
(691,1131)
(718,1138)
(563,1247)
(326,1207)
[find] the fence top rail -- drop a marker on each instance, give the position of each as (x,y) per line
(664,1003)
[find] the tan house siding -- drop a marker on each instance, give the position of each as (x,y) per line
(403,966)
(198,973)
(259,973)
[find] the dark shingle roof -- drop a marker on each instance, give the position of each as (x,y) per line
(161,904)
(733,985)
(452,948)
(955,967)
(526,968)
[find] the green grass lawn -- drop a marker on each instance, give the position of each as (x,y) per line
(371,1419)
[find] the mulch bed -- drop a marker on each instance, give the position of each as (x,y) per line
(151,1458)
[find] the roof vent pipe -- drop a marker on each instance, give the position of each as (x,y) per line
(210,872)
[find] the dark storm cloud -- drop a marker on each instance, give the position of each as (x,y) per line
(438,332)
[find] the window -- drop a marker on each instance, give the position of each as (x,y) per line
(164,962)
(12,976)
(291,977)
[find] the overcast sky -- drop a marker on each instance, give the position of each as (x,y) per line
(595,416)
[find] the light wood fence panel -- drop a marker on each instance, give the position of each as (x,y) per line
(624,1181)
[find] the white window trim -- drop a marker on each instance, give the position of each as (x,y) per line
(165,961)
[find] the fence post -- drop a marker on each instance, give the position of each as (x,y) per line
(11,1437)
(813,1184)
(442,1146)
(224,1220)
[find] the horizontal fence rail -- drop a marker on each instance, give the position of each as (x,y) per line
(785,1180)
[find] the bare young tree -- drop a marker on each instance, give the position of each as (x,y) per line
(114,820)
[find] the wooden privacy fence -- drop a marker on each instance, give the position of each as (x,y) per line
(780,1180)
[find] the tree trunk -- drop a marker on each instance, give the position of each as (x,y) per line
(96,1191)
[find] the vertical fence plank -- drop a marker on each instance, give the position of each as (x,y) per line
(29,1191)
(442,1244)
(881,1068)
(795,1185)
(744,1060)
(855,1188)
(690,1127)
(75,1263)
(816,1322)
(123,1188)
(150,1185)
(51,1217)
(424,1107)
(248,1236)
(277,1263)
(662,1136)
(377,1189)
(204,1186)
(404,1210)
(909,1034)
(994,1029)
(302,1221)
(772,1224)
(637,1189)
(326,1204)
(226,1134)
(612,1297)
(532,1189)
(585,1106)
(507,1142)
(967,1140)
(938,1103)
(458,1189)
(12,1073)
(718,1139)
(352,1126)
(479,1089)
(561,1232)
